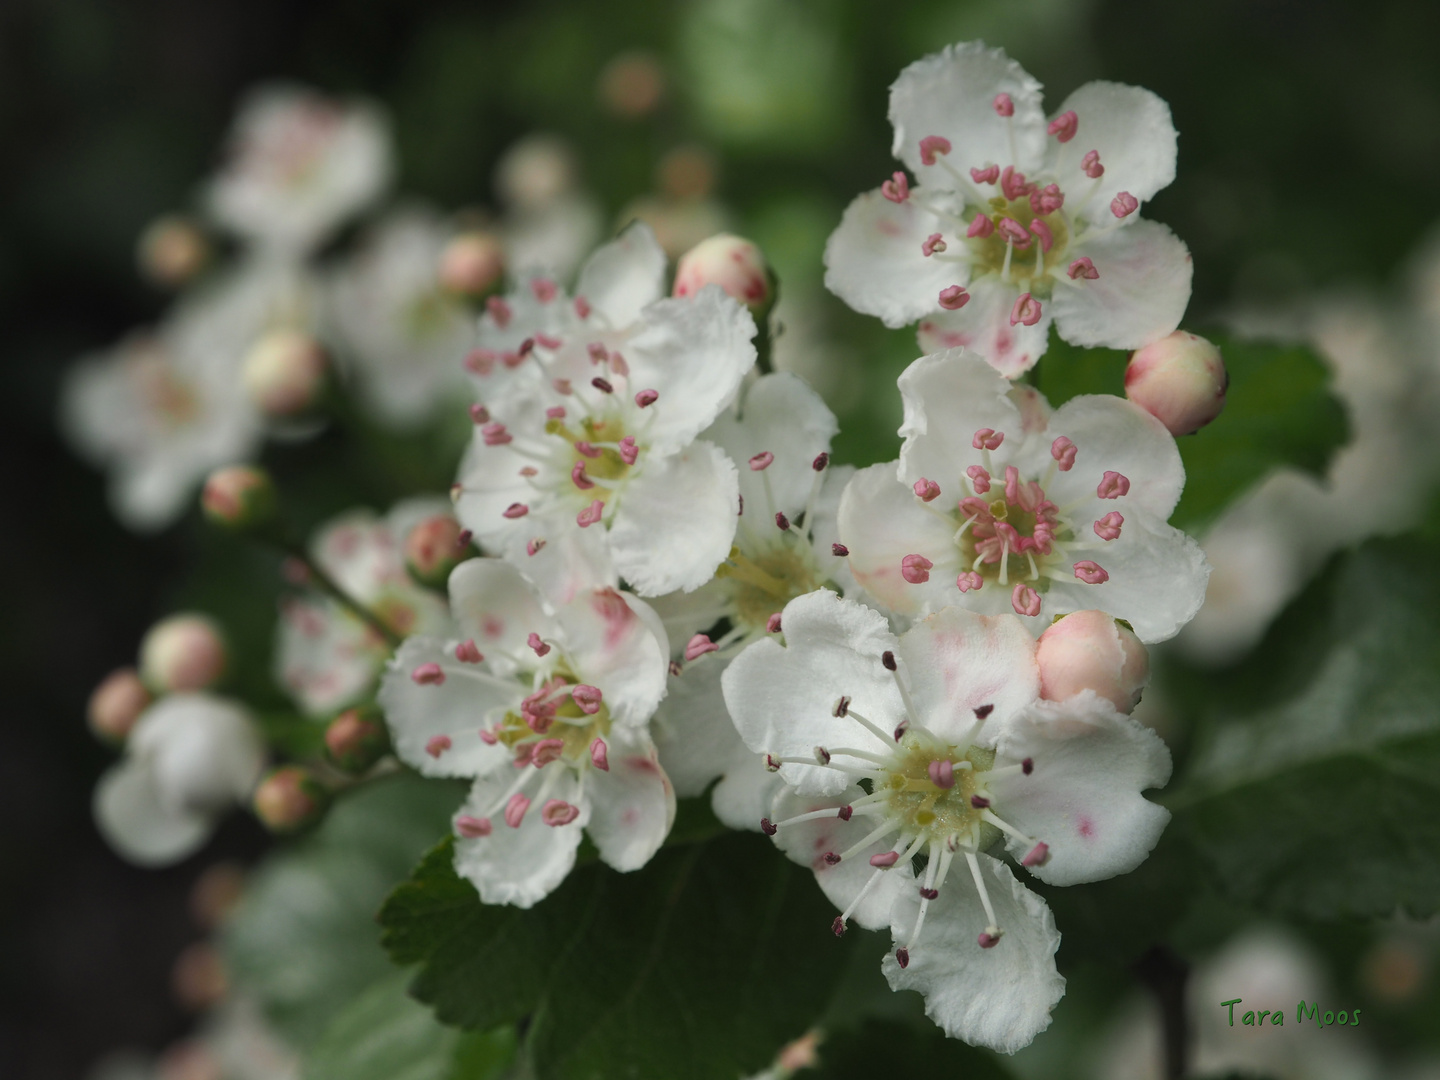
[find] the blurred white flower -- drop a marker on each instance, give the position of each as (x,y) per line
(550,222)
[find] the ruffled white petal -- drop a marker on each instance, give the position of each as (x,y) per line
(948,397)
(880,522)
(1083,797)
(1132,130)
(1112,434)
(490,483)
(694,352)
(808,842)
(624,276)
(951,94)
(138,825)
(611,639)
(957,662)
(494,603)
(523,865)
(874,263)
(676,521)
(325,658)
(983,327)
(1140,295)
(782,699)
(746,792)
(999,998)
(632,804)
(470,699)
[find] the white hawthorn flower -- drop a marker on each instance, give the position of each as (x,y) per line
(403,333)
(189,759)
(1000,504)
(605,439)
(550,220)
(934,744)
(298,165)
(326,656)
(547,708)
(164,408)
(1014,222)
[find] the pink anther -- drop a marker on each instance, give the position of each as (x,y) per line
(618,366)
(467,652)
(772,624)
(628,450)
(821,461)
(588,697)
(646,398)
(1064,451)
(840,551)
(488,737)
(1064,126)
(1026,310)
(1041,230)
(1047,200)
(1083,268)
(479,414)
(544,289)
(558,812)
(472,828)
(605,386)
(931,244)
(582,307)
(979,478)
(915,569)
(495,434)
(761,461)
(499,311)
(1090,165)
(954,297)
(926,490)
(931,145)
(533,547)
(1039,855)
(896,189)
(585,449)
(980,227)
(884,860)
(515,510)
(988,940)
(1108,527)
(1124,204)
(942,773)
(698,646)
(590,515)
(1013,184)
(1090,572)
(1025,600)
(481,362)
(781,521)
(987,439)
(902,957)
(1112,485)
(578,477)
(437,745)
(545,341)
(562,386)
(545,751)
(987,175)
(555,412)
(428,675)
(515,810)
(537,643)
(1014,232)
(600,755)
(1003,104)
(598,353)
(969,581)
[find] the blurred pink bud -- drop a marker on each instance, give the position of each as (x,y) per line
(1090,650)
(183,652)
(1180,380)
(472,263)
(433,548)
(288,798)
(735,264)
(238,497)
(116,704)
(284,373)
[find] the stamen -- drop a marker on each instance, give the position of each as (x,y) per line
(781,520)
(1112,485)
(772,624)
(628,450)
(429,675)
(603,385)
(1039,855)
(1025,600)
(589,698)
(761,461)
(646,398)
(931,244)
(968,580)
(768,827)
(987,439)
(840,551)
(585,449)
(537,643)
(821,462)
(545,751)
(954,297)
(942,773)
(980,226)
(1090,165)
(600,755)
(927,490)
(1026,310)
(915,569)
(1040,229)
(1108,527)
(1013,231)
(1003,105)
(437,745)
(1027,766)
(582,307)
(980,887)
(979,802)
(544,289)
(468,653)
(1064,451)
(1090,572)
(1124,204)
(698,646)
(885,860)
(869,725)
(1064,126)
(499,311)
(590,515)
(931,145)
(479,414)
(578,477)
(896,189)
(532,547)
(515,510)
(987,175)
(558,812)
(472,828)
(888,659)
(515,810)
(495,434)
(1083,268)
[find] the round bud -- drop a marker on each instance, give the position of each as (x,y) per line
(356,740)
(198,979)
(472,263)
(1090,650)
(686,173)
(172,250)
(238,497)
(535,171)
(284,373)
(289,798)
(433,548)
(190,1059)
(1180,380)
(732,262)
(632,85)
(183,652)
(116,704)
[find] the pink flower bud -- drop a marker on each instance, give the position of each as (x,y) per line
(172,251)
(433,548)
(239,497)
(116,704)
(1090,650)
(183,652)
(356,740)
(289,798)
(735,264)
(472,264)
(1180,380)
(284,374)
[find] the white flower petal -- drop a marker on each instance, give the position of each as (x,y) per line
(1000,997)
(983,327)
(948,397)
(951,93)
(205,753)
(470,699)
(676,521)
(957,662)
(746,792)
(616,643)
(490,484)
(874,263)
(1132,130)
(494,603)
(686,614)
(693,732)
(570,562)
(632,805)
(808,842)
(1140,295)
(523,865)
(1112,434)
(624,276)
(325,657)
(782,699)
(1083,797)
(694,352)
(135,822)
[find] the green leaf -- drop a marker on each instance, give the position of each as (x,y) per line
(304,939)
(702,964)
(1279,411)
(385,1034)
(887,1049)
(1323,802)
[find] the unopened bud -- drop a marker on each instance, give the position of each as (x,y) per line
(172,250)
(732,262)
(472,264)
(183,652)
(1090,650)
(288,798)
(239,497)
(198,979)
(116,704)
(284,374)
(1180,380)
(356,740)
(632,85)
(433,548)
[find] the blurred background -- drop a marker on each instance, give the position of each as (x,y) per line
(1309,147)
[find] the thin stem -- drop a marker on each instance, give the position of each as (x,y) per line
(327,585)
